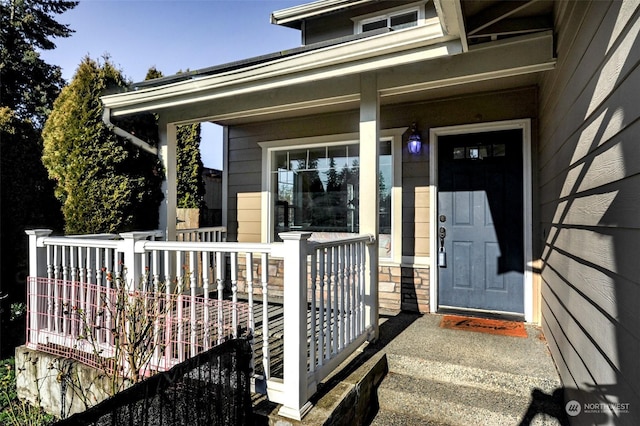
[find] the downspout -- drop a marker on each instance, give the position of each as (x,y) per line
(106,118)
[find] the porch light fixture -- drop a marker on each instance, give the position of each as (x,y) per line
(414,144)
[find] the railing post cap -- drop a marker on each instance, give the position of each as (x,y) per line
(138,235)
(38,232)
(295,235)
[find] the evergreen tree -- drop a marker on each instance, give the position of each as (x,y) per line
(105,183)
(28,84)
(190,184)
(28,88)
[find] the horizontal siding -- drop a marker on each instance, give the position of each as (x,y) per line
(248,217)
(589,177)
(245,155)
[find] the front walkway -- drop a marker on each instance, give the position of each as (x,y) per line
(450,377)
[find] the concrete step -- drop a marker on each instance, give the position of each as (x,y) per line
(428,392)
(461,375)
(446,403)
(392,418)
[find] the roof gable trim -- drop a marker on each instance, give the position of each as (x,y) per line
(297,13)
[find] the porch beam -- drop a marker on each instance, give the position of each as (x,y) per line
(369,172)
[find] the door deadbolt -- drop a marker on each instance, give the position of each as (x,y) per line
(443,232)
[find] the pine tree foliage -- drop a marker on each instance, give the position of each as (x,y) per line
(190,184)
(30,85)
(28,88)
(105,183)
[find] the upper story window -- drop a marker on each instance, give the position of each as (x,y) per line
(395,19)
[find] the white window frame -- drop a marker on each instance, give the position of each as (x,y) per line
(268,190)
(387,14)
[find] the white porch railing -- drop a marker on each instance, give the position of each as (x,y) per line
(210,234)
(205,291)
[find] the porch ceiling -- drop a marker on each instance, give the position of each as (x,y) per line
(497,19)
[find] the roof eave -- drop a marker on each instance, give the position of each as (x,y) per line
(337,57)
(293,16)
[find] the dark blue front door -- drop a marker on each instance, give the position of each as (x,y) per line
(480,217)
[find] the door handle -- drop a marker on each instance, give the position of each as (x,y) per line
(442,255)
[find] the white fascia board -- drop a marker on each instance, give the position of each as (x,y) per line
(450,14)
(363,55)
(297,13)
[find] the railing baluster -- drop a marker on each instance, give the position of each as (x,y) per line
(55,302)
(65,266)
(322,308)
(313,334)
(193,318)
(328,327)
(81,290)
(252,324)
(65,293)
(169,321)
(51,258)
(336,314)
(109,259)
(361,281)
(161,306)
(220,288)
(234,293)
(347,294)
(206,338)
(266,356)
(341,312)
(73,258)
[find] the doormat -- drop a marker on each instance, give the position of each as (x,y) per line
(484,325)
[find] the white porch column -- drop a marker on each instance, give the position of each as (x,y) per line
(167,154)
(296,389)
(369,204)
(37,268)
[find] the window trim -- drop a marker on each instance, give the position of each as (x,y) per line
(268,190)
(360,21)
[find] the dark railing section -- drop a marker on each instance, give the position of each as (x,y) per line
(212,388)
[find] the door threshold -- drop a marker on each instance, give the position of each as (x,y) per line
(481,313)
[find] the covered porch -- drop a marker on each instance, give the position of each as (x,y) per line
(138,303)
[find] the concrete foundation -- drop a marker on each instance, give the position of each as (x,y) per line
(61,386)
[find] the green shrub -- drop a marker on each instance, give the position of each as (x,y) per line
(14,412)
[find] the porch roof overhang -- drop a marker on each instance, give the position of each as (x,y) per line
(406,62)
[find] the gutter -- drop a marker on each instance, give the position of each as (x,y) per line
(106,118)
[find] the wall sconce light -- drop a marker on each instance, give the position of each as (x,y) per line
(414,144)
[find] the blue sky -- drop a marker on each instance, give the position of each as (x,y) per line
(172,35)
